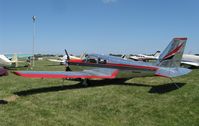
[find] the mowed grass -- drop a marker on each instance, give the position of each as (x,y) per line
(146,101)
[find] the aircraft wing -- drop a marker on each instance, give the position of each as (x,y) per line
(190,63)
(55,60)
(17,61)
(103,73)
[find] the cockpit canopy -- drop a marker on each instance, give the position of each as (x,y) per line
(94,59)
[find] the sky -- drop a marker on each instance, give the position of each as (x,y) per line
(97,26)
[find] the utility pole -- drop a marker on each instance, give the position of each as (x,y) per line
(33,43)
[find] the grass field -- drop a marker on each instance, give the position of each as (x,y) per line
(147,101)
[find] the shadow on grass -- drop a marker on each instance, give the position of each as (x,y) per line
(2,102)
(160,89)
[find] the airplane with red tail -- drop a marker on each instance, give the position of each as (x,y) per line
(110,67)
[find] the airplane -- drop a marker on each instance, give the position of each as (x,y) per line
(190,60)
(20,55)
(110,67)
(142,57)
(11,62)
(62,60)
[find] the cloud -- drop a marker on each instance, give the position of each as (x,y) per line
(108,1)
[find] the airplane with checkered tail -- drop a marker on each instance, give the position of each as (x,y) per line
(110,67)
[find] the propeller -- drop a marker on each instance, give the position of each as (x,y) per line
(83,55)
(68,58)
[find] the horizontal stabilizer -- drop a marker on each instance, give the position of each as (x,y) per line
(172,72)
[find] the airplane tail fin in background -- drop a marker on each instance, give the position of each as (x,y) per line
(14,60)
(172,55)
(157,54)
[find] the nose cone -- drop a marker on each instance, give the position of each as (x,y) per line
(75,61)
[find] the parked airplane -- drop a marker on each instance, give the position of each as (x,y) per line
(62,60)
(25,56)
(110,67)
(190,59)
(10,61)
(143,57)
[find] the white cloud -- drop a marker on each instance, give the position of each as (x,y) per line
(108,1)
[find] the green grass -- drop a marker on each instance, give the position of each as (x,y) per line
(140,101)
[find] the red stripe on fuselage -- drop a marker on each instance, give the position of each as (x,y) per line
(113,65)
(75,61)
(132,66)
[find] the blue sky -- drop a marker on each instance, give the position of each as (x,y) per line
(97,26)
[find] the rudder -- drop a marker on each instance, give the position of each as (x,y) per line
(172,55)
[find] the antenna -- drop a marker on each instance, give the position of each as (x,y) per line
(33,42)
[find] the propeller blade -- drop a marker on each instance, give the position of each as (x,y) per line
(68,57)
(67,65)
(83,55)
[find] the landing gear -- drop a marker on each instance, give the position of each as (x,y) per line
(85,82)
(174,83)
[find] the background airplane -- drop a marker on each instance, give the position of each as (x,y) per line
(190,60)
(143,57)
(62,60)
(187,59)
(11,60)
(25,56)
(110,67)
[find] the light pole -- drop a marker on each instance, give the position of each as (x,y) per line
(33,43)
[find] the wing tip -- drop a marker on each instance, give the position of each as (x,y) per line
(17,73)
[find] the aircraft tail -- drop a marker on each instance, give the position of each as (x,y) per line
(172,55)
(157,54)
(14,60)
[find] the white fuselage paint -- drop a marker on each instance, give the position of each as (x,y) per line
(4,61)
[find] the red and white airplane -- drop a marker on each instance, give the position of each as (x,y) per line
(110,67)
(62,60)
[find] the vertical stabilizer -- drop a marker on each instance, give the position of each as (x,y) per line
(157,54)
(172,55)
(14,60)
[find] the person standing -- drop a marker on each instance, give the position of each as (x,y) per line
(67,68)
